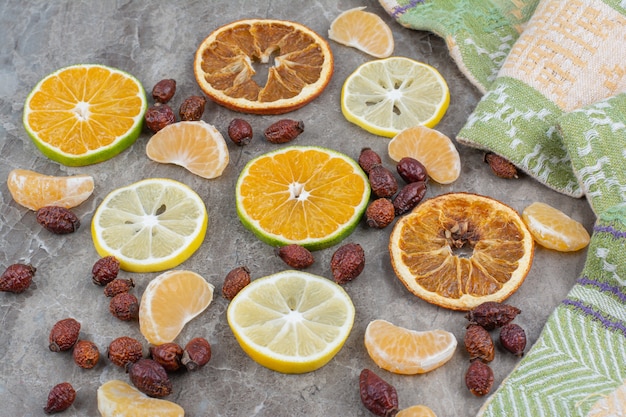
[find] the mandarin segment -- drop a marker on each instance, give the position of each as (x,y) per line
(458,250)
(225,62)
(554,229)
(364,31)
(117,398)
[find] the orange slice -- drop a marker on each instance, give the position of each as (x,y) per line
(34,190)
(229,61)
(195,145)
(459,250)
(408,352)
(364,31)
(554,229)
(169,302)
(118,399)
(84,114)
(432,148)
(306,195)
(416,411)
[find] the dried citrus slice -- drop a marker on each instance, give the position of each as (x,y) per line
(34,190)
(416,411)
(404,351)
(459,250)
(84,114)
(300,65)
(118,399)
(307,195)
(432,148)
(151,225)
(292,321)
(169,302)
(388,95)
(364,31)
(195,145)
(554,229)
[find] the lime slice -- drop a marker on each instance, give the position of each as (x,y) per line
(151,225)
(306,195)
(84,114)
(389,95)
(292,321)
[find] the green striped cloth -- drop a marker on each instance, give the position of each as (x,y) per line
(578,365)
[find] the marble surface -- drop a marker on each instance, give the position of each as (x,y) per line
(155,40)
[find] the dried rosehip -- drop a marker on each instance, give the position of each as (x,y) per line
(347,262)
(86,354)
(478,343)
(368,158)
(240,132)
(124,306)
(124,350)
(150,378)
(168,355)
(234,282)
(409,196)
(411,170)
(197,354)
(380,213)
(492,314)
(159,116)
(17,278)
(500,166)
(105,270)
(479,378)
(284,131)
(164,90)
(378,396)
(382,182)
(58,220)
(192,108)
(118,286)
(60,398)
(64,334)
(513,338)
(295,256)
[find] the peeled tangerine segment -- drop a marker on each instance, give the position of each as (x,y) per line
(553,229)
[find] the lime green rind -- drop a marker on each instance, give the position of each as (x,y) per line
(311,244)
(101,154)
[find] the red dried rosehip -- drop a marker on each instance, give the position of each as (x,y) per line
(197,354)
(124,306)
(164,90)
(368,158)
(235,281)
(382,182)
(284,131)
(168,355)
(105,270)
(159,116)
(58,220)
(347,262)
(296,256)
(513,338)
(492,314)
(64,334)
(478,343)
(479,378)
(60,398)
(378,396)
(380,213)
(118,286)
(124,350)
(150,378)
(240,132)
(86,354)
(192,108)
(409,196)
(411,170)
(17,278)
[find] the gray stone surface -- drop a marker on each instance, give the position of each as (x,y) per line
(154,40)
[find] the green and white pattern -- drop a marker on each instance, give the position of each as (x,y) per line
(479,34)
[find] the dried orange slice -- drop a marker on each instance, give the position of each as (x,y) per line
(459,250)
(405,351)
(364,31)
(554,229)
(229,61)
(432,148)
(195,145)
(34,190)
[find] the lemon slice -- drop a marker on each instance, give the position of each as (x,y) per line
(305,195)
(151,225)
(170,301)
(84,114)
(389,95)
(195,145)
(292,321)
(118,399)
(364,31)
